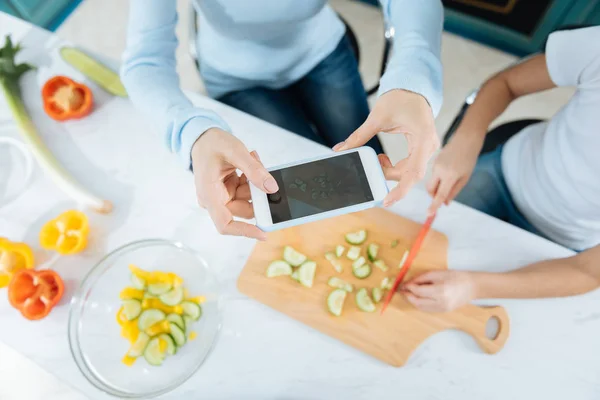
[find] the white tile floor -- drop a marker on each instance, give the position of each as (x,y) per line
(100,25)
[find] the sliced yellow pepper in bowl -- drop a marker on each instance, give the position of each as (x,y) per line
(14,256)
(66,234)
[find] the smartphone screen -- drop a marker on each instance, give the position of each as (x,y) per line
(319,186)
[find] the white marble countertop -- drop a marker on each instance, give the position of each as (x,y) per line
(552,352)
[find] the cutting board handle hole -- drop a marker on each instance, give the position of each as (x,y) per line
(492,328)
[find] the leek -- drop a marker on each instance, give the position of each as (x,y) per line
(10,73)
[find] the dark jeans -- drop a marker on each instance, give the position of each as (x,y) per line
(326,105)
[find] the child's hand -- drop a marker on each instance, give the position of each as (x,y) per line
(215,157)
(440,291)
(453,168)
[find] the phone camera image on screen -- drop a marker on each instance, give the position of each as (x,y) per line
(319,186)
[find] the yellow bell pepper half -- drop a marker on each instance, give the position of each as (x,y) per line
(66,234)
(14,256)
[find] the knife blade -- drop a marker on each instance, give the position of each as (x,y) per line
(412,254)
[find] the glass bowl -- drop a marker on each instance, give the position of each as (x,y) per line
(95,335)
(16,169)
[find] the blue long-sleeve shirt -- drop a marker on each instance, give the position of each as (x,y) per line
(269,43)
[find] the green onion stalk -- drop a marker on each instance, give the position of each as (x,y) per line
(10,73)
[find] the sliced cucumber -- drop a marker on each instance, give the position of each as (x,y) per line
(363,301)
(358,237)
(188,323)
(338,283)
(192,310)
(306,273)
(138,282)
(386,283)
(295,275)
(362,272)
(137,349)
(171,346)
(353,253)
(333,260)
(339,250)
(150,317)
(176,319)
(404,257)
(178,334)
(381,265)
(293,257)
(335,301)
(153,353)
(377,294)
(132,309)
(359,262)
(278,268)
(159,288)
(372,250)
(172,297)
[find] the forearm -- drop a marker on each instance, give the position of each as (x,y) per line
(493,99)
(415,63)
(150,77)
(530,76)
(552,278)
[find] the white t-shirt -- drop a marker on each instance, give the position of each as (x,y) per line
(552,169)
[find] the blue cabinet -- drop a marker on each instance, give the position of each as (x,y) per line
(45,13)
(520,27)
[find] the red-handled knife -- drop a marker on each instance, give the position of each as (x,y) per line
(412,254)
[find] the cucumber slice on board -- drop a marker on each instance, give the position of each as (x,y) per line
(159,288)
(353,253)
(339,250)
(363,301)
(138,282)
(150,317)
(278,268)
(178,335)
(404,257)
(338,283)
(333,260)
(192,310)
(377,294)
(172,297)
(103,76)
(362,272)
(359,262)
(176,319)
(372,250)
(171,346)
(381,265)
(132,309)
(295,276)
(137,348)
(153,354)
(293,257)
(386,283)
(306,273)
(358,237)
(335,301)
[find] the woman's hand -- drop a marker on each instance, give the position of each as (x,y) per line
(453,168)
(440,291)
(407,113)
(216,156)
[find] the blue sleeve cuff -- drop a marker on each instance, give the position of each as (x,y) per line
(422,76)
(187,132)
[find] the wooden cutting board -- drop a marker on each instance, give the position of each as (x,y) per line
(390,337)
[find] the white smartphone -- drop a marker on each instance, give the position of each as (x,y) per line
(320,188)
